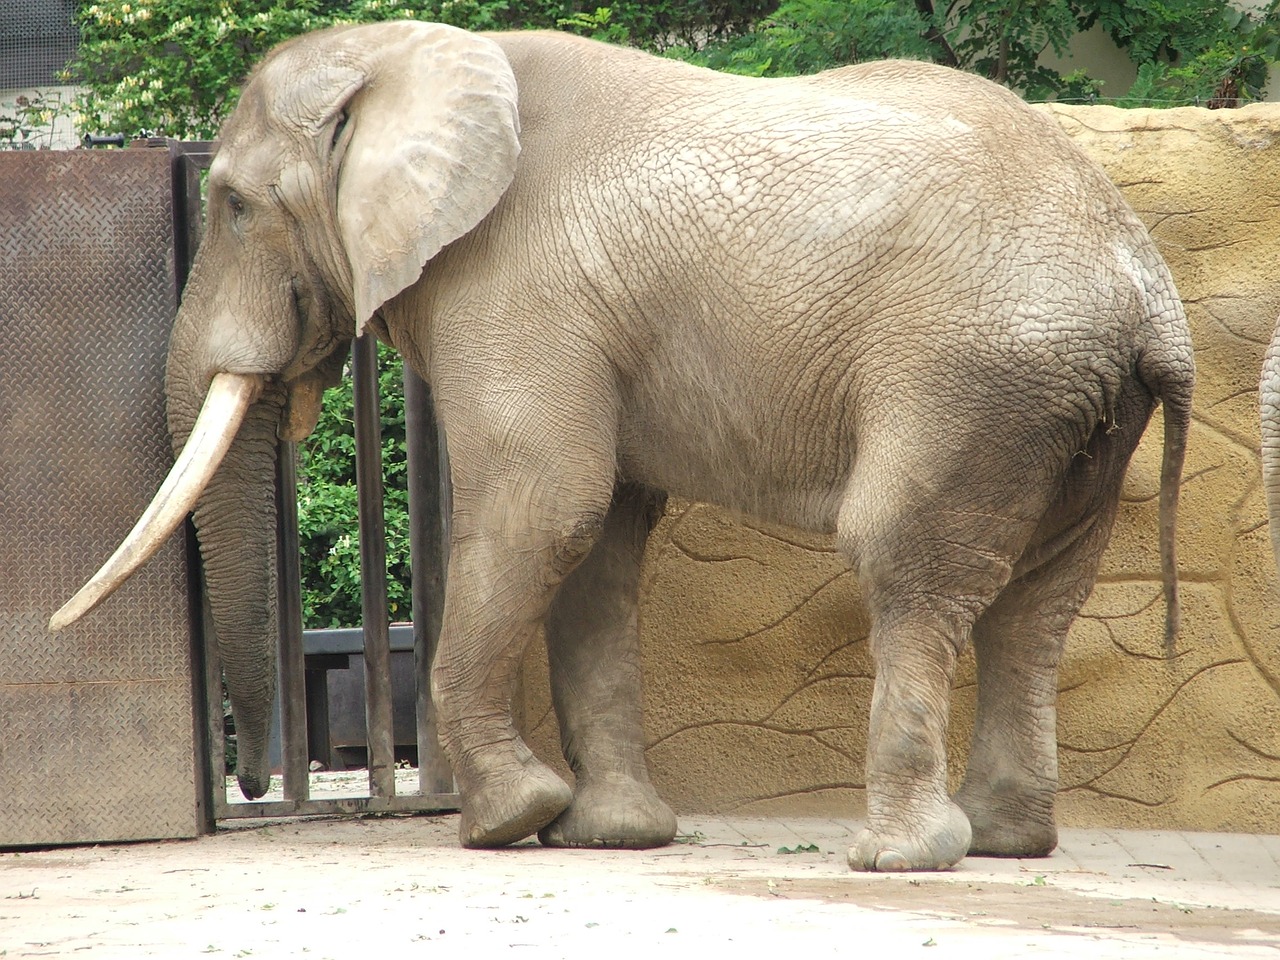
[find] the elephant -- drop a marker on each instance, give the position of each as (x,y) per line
(890,303)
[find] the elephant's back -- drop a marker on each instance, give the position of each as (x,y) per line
(782,270)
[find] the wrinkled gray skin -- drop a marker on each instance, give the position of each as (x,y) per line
(889,303)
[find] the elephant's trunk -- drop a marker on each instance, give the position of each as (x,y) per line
(220,417)
(236,521)
(1269,412)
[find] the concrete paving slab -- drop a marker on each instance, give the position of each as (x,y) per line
(346,888)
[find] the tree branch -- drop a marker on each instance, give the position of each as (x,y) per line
(934,35)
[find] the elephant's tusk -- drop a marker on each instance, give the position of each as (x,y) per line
(225,405)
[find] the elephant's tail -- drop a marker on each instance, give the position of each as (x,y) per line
(1167,367)
(1177,425)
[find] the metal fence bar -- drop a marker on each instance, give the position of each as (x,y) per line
(187,160)
(329,806)
(373,568)
(429,512)
(205,716)
(295,761)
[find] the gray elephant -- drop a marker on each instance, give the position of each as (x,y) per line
(890,303)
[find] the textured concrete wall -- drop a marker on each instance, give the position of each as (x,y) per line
(758,676)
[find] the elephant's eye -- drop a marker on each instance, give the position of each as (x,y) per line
(235,203)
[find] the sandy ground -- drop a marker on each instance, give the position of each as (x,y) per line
(395,886)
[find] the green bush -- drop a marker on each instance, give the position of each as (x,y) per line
(1195,51)
(328,529)
(174,67)
(805,36)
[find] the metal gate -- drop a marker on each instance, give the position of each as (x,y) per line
(97,739)
(112,730)
(429,510)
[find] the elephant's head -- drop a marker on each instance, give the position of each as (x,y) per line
(354,155)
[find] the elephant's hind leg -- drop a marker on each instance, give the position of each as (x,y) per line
(1012,775)
(932,549)
(593,644)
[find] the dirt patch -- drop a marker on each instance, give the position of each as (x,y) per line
(1032,906)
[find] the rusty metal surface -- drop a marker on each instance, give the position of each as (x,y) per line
(430,509)
(97,738)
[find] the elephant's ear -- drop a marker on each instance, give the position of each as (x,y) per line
(433,146)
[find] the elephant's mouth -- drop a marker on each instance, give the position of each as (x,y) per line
(228,400)
(303,405)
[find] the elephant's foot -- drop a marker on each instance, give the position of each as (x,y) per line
(619,812)
(1010,826)
(931,843)
(509,808)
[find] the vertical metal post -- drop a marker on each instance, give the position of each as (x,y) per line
(215,719)
(292,672)
(373,569)
(430,507)
(186,162)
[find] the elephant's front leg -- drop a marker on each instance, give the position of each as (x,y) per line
(593,643)
(527,509)
(490,611)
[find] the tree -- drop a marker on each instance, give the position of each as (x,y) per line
(174,67)
(1187,51)
(1193,51)
(1004,39)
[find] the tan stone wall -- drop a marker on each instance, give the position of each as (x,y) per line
(757,671)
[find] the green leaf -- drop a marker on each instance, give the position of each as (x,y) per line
(800,848)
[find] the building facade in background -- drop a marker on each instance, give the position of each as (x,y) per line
(37,39)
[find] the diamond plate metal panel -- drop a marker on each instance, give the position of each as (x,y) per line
(97,738)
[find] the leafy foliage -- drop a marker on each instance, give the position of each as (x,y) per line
(663,25)
(174,67)
(805,36)
(1193,51)
(1004,39)
(27,123)
(1203,51)
(327,526)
